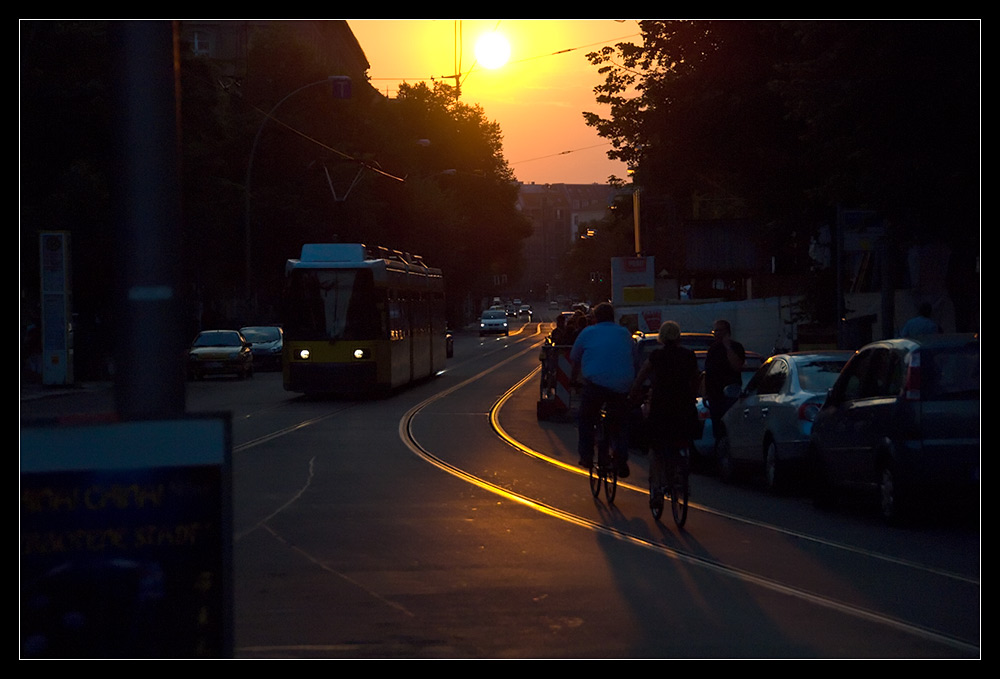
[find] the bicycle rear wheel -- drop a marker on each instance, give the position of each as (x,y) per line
(680,490)
(595,478)
(610,474)
(656,502)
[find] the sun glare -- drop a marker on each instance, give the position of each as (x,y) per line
(492,50)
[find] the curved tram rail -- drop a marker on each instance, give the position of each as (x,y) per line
(686,556)
(625,534)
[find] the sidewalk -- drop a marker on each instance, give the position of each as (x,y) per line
(31,391)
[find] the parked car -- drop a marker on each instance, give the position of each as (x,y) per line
(494,322)
(698,342)
(266,342)
(902,418)
(769,426)
(215,352)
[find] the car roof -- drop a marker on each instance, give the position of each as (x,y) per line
(653,335)
(812,355)
(943,340)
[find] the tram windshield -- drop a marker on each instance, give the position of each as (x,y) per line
(332,304)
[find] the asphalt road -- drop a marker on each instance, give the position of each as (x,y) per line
(447,522)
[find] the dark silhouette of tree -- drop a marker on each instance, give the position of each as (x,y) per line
(422,173)
(780,122)
(65,165)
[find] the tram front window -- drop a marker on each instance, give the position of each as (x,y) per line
(331,304)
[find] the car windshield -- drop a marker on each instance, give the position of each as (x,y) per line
(264,334)
(218,339)
(818,375)
(493,315)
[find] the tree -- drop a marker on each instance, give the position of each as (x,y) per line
(421,173)
(458,200)
(781,122)
(65,164)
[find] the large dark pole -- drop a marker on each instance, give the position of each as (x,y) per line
(149,379)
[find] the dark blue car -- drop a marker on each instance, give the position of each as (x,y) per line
(902,420)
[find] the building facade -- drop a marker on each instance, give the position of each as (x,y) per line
(560,214)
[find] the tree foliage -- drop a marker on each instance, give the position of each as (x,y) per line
(782,121)
(422,173)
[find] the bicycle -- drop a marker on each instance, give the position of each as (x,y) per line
(604,467)
(676,485)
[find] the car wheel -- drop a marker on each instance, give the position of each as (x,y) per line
(824,496)
(891,499)
(773,475)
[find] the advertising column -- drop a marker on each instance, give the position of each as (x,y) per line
(57,336)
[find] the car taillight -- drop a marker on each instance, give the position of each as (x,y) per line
(911,384)
(703,411)
(808,411)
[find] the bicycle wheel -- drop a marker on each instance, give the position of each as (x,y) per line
(610,474)
(656,502)
(679,492)
(595,478)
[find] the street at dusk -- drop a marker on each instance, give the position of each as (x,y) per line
(497,339)
(447,522)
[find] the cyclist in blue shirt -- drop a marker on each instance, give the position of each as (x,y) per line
(602,356)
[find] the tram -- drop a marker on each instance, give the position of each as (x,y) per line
(360,320)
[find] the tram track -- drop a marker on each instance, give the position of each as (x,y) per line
(606,525)
(686,556)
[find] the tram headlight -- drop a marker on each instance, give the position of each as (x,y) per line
(362,354)
(304,354)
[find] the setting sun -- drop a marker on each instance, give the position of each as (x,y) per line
(537,97)
(492,50)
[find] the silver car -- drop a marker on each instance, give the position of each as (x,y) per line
(769,426)
(494,322)
(266,342)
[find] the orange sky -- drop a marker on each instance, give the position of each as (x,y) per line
(537,98)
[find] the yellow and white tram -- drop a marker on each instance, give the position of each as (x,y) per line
(360,320)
